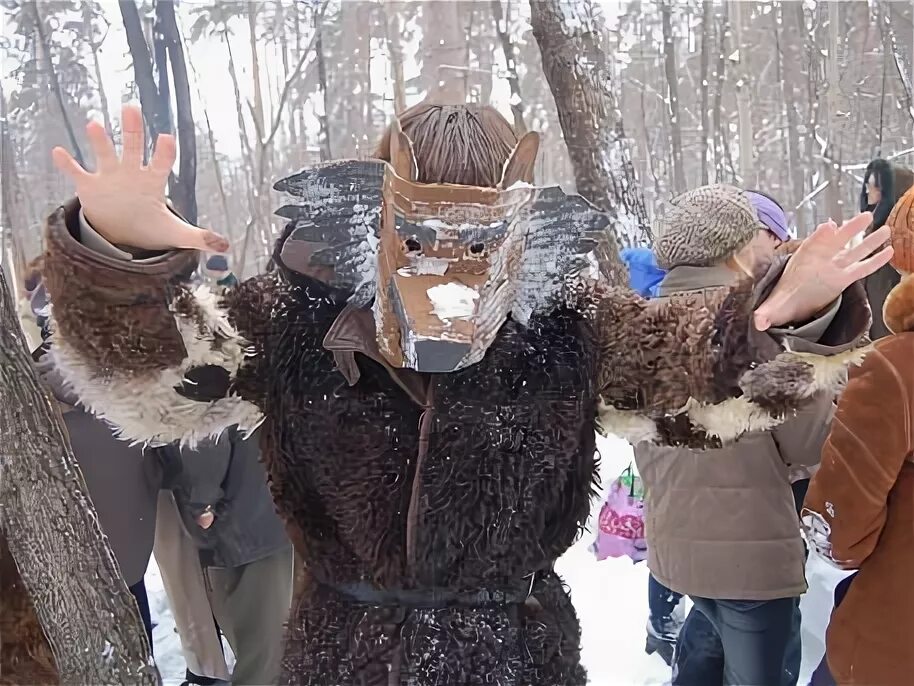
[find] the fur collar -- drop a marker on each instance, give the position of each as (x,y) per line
(898,310)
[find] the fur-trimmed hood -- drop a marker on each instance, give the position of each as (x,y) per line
(898,311)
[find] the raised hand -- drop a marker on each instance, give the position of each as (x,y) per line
(822,268)
(124,200)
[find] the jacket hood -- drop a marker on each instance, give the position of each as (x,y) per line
(898,310)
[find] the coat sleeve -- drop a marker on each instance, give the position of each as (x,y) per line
(160,358)
(870,439)
(698,356)
(800,439)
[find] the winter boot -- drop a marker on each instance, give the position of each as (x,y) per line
(662,633)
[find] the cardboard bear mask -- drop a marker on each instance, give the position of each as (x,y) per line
(442,266)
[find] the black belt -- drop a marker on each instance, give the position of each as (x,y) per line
(435,598)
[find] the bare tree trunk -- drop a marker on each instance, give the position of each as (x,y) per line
(89,617)
(444,40)
(579,76)
(45,43)
(790,99)
(722,152)
(672,90)
(13,257)
(390,15)
(102,95)
(743,81)
(503,27)
(155,112)
(707,28)
(25,654)
(252,9)
(902,58)
(324,133)
(184,191)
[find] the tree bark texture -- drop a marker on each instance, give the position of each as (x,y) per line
(54,82)
(89,617)
(503,28)
(582,84)
(25,654)
(184,193)
(672,94)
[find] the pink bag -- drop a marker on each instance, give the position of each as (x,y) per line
(621,525)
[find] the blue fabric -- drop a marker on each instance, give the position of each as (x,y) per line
(643,273)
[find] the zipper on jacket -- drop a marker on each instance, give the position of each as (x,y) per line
(412,511)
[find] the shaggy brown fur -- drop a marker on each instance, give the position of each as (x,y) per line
(25,654)
(702,349)
(87,298)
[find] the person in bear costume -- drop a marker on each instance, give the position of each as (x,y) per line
(428,362)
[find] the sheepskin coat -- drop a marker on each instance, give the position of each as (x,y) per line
(429,509)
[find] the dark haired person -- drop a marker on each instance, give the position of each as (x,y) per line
(427,363)
(884,183)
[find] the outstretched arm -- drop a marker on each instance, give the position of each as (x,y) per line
(160,358)
(139,344)
(696,369)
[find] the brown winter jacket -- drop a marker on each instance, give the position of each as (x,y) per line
(859,510)
(721,523)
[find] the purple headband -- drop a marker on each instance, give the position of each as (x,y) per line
(770,215)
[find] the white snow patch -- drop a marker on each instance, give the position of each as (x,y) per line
(452,301)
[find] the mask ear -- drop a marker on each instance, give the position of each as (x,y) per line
(520,165)
(402,156)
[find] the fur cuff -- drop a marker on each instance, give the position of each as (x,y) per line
(147,406)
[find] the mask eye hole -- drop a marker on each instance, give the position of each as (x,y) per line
(477,249)
(411,245)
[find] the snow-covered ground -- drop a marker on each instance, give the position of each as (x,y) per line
(611,599)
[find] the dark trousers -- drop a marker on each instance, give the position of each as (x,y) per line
(822,676)
(661,602)
(700,649)
(739,643)
(142,600)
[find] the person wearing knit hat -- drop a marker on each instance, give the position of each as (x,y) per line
(736,550)
(858,511)
(709,225)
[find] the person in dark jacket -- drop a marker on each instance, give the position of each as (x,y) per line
(222,495)
(883,185)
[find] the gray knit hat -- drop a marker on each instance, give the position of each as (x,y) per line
(704,227)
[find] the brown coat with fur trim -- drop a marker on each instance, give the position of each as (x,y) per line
(863,498)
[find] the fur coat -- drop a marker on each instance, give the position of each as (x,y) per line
(429,509)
